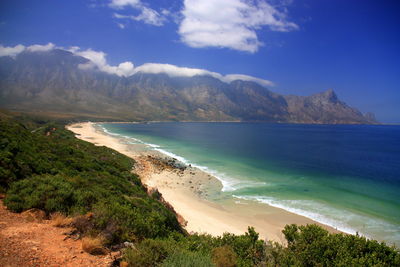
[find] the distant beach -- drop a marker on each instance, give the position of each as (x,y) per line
(188,189)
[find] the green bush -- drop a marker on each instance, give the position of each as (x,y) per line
(248,248)
(172,251)
(46,167)
(224,256)
(48,193)
(313,246)
(150,252)
(188,259)
(227,250)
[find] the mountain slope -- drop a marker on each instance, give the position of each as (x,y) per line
(53,81)
(324,107)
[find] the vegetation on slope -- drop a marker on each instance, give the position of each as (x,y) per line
(44,166)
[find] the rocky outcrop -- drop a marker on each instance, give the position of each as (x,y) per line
(324,107)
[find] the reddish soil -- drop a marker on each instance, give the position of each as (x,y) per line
(29,241)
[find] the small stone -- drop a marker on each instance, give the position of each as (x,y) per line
(129,244)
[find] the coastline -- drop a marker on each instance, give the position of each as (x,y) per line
(187,190)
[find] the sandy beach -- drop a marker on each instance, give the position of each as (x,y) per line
(189,191)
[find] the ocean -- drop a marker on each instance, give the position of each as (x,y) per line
(345,176)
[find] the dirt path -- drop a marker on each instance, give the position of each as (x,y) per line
(25,241)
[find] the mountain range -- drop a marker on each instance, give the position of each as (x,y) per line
(53,82)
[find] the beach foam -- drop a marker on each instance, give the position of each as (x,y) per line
(338,219)
(305,208)
(300,207)
(228,183)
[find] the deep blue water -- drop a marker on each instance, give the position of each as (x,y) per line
(347,176)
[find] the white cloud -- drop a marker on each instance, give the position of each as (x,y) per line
(98,61)
(119,4)
(120,16)
(150,16)
(233,77)
(41,48)
(14,51)
(229,23)
(11,51)
(175,71)
(146,14)
(96,58)
(121,26)
(73,49)
(165,12)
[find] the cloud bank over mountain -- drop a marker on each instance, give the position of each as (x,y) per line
(98,61)
(14,51)
(55,81)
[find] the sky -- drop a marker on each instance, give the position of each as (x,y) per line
(297,47)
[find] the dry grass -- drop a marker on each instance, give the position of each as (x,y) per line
(93,245)
(59,220)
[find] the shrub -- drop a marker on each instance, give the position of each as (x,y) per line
(172,251)
(224,256)
(47,192)
(276,255)
(59,173)
(83,224)
(93,245)
(150,252)
(188,259)
(313,246)
(248,248)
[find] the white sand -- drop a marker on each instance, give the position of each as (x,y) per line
(187,192)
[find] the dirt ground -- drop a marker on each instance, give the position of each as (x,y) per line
(27,240)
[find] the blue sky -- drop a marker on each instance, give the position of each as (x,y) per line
(302,47)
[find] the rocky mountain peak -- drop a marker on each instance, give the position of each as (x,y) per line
(327,96)
(53,82)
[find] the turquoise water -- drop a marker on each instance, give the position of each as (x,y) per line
(347,177)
